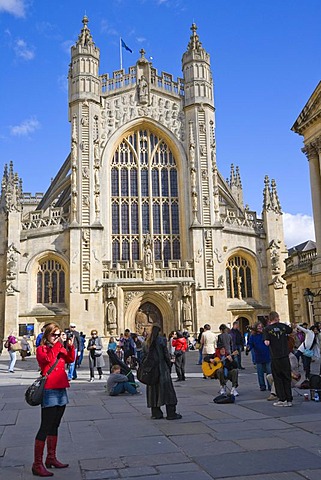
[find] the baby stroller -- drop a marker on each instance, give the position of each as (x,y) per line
(124,369)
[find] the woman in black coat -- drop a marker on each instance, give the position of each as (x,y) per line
(162,393)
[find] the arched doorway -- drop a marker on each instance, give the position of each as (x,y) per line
(243,324)
(146,315)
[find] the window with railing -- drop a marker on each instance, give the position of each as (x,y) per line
(144,198)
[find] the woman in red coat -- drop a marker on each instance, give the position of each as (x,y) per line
(55,396)
(180,344)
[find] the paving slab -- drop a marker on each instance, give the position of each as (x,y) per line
(114,437)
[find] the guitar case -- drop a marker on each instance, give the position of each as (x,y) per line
(226,398)
(124,369)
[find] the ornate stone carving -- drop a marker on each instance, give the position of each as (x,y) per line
(167,295)
(220,281)
(186,289)
(275,256)
(12,262)
(277,282)
(187,312)
(219,256)
(143,90)
(129,296)
(111,314)
(111,290)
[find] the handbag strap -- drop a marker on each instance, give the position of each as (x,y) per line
(52,367)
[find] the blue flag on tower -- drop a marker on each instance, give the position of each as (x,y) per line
(123,44)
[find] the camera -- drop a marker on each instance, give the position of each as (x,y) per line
(69,334)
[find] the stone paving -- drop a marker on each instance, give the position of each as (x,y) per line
(106,437)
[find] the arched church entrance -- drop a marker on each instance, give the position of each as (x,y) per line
(243,324)
(146,315)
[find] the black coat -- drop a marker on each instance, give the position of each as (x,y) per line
(163,392)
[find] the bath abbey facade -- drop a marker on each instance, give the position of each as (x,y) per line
(139,225)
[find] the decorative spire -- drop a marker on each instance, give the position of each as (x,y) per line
(11,190)
(194,43)
(85,39)
(238,181)
(275,198)
(267,202)
(232,176)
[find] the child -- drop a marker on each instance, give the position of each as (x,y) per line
(118,383)
(112,345)
(120,353)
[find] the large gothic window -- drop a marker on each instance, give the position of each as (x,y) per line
(238,278)
(50,282)
(144,200)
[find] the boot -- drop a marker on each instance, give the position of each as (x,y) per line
(37,466)
(171,413)
(51,460)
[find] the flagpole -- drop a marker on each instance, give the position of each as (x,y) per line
(120,54)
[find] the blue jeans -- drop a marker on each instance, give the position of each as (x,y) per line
(72,372)
(123,387)
(263,368)
(200,356)
(13,359)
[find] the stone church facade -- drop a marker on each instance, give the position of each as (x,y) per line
(139,225)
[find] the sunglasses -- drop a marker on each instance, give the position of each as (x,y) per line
(56,335)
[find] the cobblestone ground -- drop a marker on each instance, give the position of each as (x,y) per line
(106,437)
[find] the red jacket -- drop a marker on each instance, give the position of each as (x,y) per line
(180,344)
(46,357)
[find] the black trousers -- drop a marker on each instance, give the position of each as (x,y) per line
(50,421)
(281,371)
(180,366)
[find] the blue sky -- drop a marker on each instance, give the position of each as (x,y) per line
(265,59)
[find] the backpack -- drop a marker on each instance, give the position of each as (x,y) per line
(225,398)
(148,370)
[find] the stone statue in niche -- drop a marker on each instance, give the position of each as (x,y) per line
(111,313)
(143,90)
(148,252)
(220,281)
(187,310)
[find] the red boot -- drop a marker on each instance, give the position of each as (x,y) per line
(51,460)
(38,467)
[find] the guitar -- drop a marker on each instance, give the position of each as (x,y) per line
(209,368)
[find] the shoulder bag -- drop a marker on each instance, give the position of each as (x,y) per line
(34,393)
(148,370)
(15,347)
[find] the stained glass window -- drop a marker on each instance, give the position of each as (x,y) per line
(50,282)
(144,197)
(238,278)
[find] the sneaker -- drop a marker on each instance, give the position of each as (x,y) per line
(91,380)
(288,404)
(280,404)
(234,392)
(272,398)
(223,391)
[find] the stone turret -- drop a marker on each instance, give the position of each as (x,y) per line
(275,246)
(236,185)
(84,82)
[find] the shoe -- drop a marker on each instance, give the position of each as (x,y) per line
(288,404)
(177,416)
(272,398)
(234,392)
(100,377)
(280,404)
(223,391)
(157,418)
(204,378)
(91,380)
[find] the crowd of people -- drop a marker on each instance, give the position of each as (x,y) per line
(276,350)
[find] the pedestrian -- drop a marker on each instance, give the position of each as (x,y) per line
(276,338)
(224,339)
(80,357)
(262,355)
(52,351)
(199,346)
(180,344)
(112,345)
(12,350)
(74,334)
(311,346)
(163,392)
(237,343)
(25,347)
(96,359)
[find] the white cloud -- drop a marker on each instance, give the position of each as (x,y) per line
(25,128)
(66,46)
(15,7)
(22,50)
(298,228)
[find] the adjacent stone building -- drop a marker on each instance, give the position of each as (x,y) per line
(305,280)
(139,225)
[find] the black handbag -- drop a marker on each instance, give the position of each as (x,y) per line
(34,393)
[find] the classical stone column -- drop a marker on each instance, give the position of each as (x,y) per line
(313,152)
